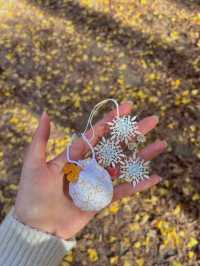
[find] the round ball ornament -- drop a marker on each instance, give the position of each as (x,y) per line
(93,189)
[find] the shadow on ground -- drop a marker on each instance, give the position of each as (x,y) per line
(107,28)
(188,4)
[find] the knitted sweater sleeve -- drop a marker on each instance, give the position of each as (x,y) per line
(21,245)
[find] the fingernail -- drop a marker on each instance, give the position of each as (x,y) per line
(130,102)
(127,101)
(44,113)
(156,118)
(165,143)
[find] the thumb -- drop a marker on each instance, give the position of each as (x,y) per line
(37,149)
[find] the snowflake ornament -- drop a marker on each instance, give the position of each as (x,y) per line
(133,146)
(123,129)
(108,153)
(141,138)
(134,170)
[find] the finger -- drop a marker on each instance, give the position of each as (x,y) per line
(147,124)
(37,148)
(79,147)
(126,189)
(152,150)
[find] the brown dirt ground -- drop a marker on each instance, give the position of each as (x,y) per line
(65,56)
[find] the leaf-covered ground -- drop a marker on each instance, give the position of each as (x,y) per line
(65,56)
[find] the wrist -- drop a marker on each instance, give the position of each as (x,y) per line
(36,229)
(35,218)
(28,246)
(41,223)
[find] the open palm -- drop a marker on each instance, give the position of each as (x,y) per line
(43,201)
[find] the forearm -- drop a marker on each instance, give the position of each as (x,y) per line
(22,245)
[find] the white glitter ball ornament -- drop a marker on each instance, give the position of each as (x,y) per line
(93,190)
(123,128)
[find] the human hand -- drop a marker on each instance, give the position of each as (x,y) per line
(43,202)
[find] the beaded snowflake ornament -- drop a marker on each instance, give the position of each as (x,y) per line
(134,170)
(108,153)
(123,128)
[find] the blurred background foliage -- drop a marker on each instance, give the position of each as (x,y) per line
(65,56)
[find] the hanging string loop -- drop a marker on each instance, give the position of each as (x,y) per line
(89,123)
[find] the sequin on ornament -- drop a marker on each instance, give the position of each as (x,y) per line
(108,153)
(134,170)
(123,128)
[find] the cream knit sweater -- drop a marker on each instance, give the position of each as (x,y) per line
(21,245)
